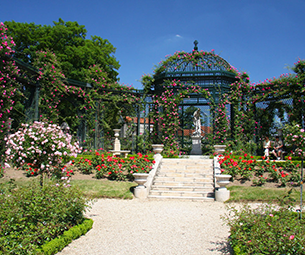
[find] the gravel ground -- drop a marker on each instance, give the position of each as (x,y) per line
(153,227)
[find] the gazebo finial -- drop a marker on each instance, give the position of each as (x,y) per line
(195,47)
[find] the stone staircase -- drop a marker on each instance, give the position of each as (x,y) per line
(184,178)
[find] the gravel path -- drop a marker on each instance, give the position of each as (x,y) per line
(153,227)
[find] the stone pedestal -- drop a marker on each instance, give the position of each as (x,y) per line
(140,192)
(117,143)
(196,145)
(222,195)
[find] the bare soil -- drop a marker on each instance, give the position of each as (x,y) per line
(248,183)
(13,173)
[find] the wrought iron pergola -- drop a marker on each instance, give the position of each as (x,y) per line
(205,69)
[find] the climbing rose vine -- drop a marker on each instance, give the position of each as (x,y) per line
(295,135)
(165,113)
(8,84)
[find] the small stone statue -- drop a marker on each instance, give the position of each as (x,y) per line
(195,47)
(197,123)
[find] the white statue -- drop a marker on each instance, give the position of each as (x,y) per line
(197,123)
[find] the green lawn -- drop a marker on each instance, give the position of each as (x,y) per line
(105,188)
(252,194)
(102,188)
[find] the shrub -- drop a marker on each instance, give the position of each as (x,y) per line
(245,166)
(84,165)
(238,165)
(116,168)
(266,230)
(31,215)
(43,145)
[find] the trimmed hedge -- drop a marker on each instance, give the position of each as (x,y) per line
(66,238)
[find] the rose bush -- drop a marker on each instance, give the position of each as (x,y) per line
(246,166)
(116,168)
(295,136)
(44,146)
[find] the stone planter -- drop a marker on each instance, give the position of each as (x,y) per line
(222,180)
(140,191)
(157,148)
(222,194)
(220,148)
(140,178)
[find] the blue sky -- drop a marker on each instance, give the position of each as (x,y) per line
(261,37)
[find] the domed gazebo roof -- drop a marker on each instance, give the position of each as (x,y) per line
(205,69)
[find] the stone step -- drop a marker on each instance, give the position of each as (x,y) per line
(187,175)
(186,166)
(186,179)
(196,171)
(203,199)
(187,162)
(184,184)
(181,193)
(184,188)
(183,179)
(187,159)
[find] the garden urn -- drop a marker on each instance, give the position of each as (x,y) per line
(157,149)
(222,179)
(140,179)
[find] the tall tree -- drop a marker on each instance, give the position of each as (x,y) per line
(68,41)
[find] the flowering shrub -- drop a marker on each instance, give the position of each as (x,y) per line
(116,168)
(246,166)
(84,165)
(238,165)
(265,230)
(44,146)
(30,215)
(295,135)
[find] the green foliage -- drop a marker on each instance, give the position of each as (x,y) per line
(63,240)
(221,121)
(265,230)
(84,165)
(68,41)
(294,135)
(31,215)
